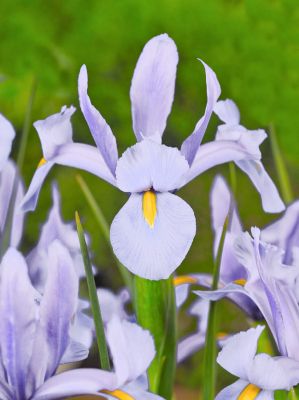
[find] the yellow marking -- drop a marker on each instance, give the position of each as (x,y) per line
(181,280)
(149,207)
(250,392)
(118,394)
(221,335)
(42,162)
(241,282)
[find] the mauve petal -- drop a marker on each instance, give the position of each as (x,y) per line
(270,197)
(221,201)
(152,87)
(77,382)
(229,357)
(18,320)
(86,157)
(7,134)
(99,128)
(232,392)
(282,372)
(112,304)
(55,131)
(227,111)
(77,155)
(190,345)
(149,165)
(215,153)
(284,232)
(127,341)
(31,196)
(57,309)
(153,253)
(8,178)
(191,145)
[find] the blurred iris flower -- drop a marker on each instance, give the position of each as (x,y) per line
(153,232)
(35,337)
(259,374)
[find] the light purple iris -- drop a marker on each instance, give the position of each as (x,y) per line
(154,230)
(271,285)
(35,337)
(259,374)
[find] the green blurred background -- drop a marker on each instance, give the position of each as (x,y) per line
(253,46)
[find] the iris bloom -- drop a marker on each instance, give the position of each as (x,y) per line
(259,374)
(35,338)
(153,232)
(271,285)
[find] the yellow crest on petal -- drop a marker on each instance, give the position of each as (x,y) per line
(250,392)
(149,207)
(241,282)
(42,162)
(119,394)
(183,279)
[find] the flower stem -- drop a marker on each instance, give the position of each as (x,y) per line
(156,311)
(282,172)
(210,345)
(94,301)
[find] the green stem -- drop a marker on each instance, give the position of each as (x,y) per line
(6,235)
(26,127)
(211,345)
(233,178)
(94,301)
(156,311)
(282,172)
(103,225)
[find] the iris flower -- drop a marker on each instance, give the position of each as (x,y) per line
(154,230)
(259,374)
(35,338)
(272,286)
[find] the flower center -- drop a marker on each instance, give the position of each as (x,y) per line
(42,162)
(118,394)
(250,392)
(149,207)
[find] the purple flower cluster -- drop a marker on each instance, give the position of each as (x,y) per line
(44,322)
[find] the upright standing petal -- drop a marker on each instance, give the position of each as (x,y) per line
(191,144)
(57,309)
(152,88)
(149,165)
(18,309)
(227,111)
(7,134)
(153,252)
(99,128)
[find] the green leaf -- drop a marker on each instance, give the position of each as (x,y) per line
(156,311)
(103,225)
(95,307)
(282,172)
(210,344)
